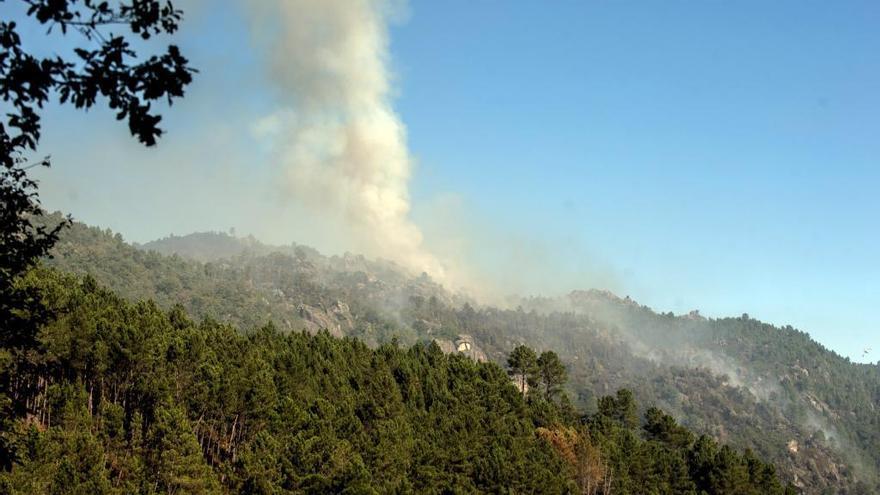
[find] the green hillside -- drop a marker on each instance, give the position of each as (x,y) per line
(772,390)
(122,397)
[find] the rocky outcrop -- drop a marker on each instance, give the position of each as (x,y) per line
(463,344)
(336,318)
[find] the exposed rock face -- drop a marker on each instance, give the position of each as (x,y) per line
(336,319)
(464,344)
(341,311)
(446,346)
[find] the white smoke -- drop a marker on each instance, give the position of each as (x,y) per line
(341,145)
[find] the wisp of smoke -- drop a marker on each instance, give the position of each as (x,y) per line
(342,147)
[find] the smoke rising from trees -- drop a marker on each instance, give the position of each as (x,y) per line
(341,145)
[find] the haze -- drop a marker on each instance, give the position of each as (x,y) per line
(712,156)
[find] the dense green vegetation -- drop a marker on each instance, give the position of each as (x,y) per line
(754,386)
(772,390)
(246,290)
(93,69)
(113,396)
(120,391)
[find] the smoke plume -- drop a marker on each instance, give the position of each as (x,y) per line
(342,147)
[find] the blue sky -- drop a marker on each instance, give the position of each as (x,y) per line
(720,156)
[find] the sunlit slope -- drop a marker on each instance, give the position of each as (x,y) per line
(774,390)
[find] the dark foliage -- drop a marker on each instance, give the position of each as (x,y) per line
(122,397)
(110,69)
(107,68)
(737,380)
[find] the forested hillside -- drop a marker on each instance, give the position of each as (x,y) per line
(110,396)
(773,390)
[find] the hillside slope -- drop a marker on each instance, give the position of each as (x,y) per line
(756,386)
(117,397)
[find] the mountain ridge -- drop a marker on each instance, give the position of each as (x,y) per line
(771,389)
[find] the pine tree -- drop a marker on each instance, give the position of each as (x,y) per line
(177,462)
(551,373)
(523,364)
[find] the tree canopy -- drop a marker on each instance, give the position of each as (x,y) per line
(247,284)
(124,397)
(104,67)
(523,365)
